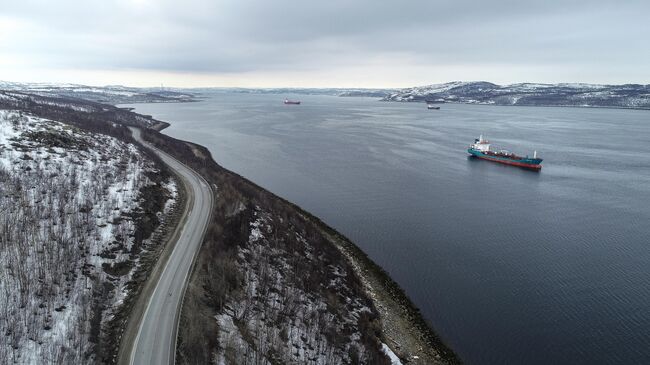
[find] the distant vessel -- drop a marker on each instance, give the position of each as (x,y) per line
(429,106)
(481,149)
(291,102)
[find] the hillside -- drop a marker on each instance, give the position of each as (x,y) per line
(530,94)
(87,113)
(104,94)
(72,233)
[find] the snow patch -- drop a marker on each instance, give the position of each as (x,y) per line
(67,196)
(394,360)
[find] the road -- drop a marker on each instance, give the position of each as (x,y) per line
(155,339)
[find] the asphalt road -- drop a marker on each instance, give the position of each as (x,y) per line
(155,341)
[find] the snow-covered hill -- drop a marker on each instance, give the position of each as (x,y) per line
(66,107)
(534,94)
(70,237)
(113,94)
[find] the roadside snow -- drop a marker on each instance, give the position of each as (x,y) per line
(394,360)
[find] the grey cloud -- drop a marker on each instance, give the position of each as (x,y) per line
(253,35)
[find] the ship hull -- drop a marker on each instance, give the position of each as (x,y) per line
(526,163)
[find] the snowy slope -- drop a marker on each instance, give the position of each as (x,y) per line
(106,94)
(69,200)
(11,99)
(534,94)
(293,324)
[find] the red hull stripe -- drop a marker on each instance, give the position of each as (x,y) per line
(513,163)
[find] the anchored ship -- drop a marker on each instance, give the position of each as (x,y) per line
(481,149)
(432,107)
(291,102)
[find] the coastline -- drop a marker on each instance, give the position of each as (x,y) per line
(400,326)
(403,328)
(519,105)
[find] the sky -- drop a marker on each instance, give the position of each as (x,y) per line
(331,43)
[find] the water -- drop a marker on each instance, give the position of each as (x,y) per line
(509,266)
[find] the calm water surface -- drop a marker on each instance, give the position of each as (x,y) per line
(509,266)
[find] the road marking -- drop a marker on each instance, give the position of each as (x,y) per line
(200,189)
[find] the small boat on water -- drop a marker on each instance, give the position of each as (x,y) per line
(291,102)
(481,149)
(432,107)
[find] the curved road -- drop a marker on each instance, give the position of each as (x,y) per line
(155,342)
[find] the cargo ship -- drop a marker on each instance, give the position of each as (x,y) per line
(481,149)
(291,102)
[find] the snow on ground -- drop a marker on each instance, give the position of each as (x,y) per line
(279,318)
(172,190)
(80,107)
(112,94)
(32,85)
(104,90)
(67,199)
(578,85)
(565,94)
(394,360)
(438,88)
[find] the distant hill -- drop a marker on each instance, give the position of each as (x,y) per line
(377,93)
(474,92)
(113,94)
(481,92)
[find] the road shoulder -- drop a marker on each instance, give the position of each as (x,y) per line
(137,311)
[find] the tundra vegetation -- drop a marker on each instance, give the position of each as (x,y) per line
(78,211)
(277,293)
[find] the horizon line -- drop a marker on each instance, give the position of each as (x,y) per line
(162,86)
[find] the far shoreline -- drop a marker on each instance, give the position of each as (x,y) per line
(197,99)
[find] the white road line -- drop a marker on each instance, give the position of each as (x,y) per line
(155,342)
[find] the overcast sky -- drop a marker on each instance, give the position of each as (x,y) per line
(338,43)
